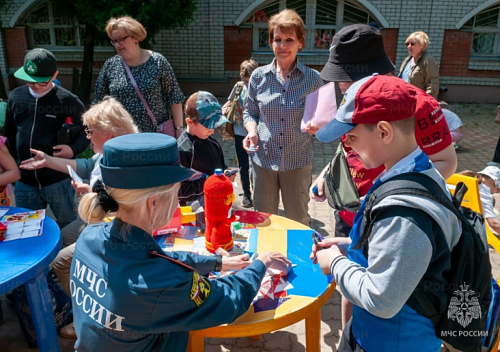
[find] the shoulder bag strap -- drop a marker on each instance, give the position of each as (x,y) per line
(148,110)
(237,93)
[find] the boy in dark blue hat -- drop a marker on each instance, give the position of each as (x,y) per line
(198,150)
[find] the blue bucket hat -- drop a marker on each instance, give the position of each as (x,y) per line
(142,160)
(209,110)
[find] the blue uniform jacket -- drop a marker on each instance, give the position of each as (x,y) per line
(126,299)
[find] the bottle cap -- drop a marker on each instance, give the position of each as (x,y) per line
(218,172)
(68,120)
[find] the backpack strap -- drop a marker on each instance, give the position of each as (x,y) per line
(410,183)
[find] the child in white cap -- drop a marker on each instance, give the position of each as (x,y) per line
(489,184)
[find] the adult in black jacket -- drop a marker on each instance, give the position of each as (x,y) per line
(35,114)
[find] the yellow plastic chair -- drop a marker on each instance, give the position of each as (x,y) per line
(473,201)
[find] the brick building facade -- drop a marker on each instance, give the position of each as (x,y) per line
(465,39)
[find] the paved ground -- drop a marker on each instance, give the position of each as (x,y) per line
(474,152)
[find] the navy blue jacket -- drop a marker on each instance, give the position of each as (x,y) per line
(34,123)
(126,299)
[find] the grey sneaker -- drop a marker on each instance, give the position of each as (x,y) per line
(246,202)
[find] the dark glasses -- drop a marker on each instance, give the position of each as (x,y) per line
(411,43)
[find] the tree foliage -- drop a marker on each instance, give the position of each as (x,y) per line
(154,15)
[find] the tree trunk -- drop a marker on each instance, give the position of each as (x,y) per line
(88,62)
(3,91)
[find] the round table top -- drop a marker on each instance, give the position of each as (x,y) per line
(311,289)
(25,258)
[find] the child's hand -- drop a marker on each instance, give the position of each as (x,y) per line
(311,128)
(341,243)
(231,174)
(38,161)
(225,107)
(326,257)
(63,151)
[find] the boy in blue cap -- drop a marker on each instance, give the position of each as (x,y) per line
(377,116)
(198,150)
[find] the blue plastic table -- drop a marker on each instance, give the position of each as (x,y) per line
(26,261)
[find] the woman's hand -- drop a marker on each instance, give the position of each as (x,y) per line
(235,262)
(250,142)
(275,260)
(38,161)
(81,188)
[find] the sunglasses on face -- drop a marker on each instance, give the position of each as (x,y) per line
(411,43)
(118,41)
(41,84)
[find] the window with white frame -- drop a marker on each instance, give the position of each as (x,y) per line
(485,26)
(49,28)
(322,19)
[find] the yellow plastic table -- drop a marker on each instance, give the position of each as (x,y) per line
(311,288)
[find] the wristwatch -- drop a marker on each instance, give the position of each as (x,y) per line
(218,263)
(179,128)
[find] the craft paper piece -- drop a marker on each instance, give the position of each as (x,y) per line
(23,225)
(73,175)
(268,304)
(321,106)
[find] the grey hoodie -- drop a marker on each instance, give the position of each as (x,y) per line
(399,255)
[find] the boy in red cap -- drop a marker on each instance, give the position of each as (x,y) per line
(377,117)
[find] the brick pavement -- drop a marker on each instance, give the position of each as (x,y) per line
(474,152)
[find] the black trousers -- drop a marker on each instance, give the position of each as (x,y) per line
(496,156)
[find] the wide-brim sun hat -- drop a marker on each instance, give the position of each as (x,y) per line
(39,66)
(142,160)
(357,51)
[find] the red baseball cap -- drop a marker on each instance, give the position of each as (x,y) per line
(368,101)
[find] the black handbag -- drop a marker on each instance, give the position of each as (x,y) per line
(340,190)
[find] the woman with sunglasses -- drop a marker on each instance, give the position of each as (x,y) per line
(158,90)
(420,68)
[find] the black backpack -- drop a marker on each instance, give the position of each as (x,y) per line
(460,318)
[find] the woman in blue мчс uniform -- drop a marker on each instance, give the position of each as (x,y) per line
(128,294)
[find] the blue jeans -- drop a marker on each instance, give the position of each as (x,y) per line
(60,196)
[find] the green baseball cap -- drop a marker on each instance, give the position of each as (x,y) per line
(39,66)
